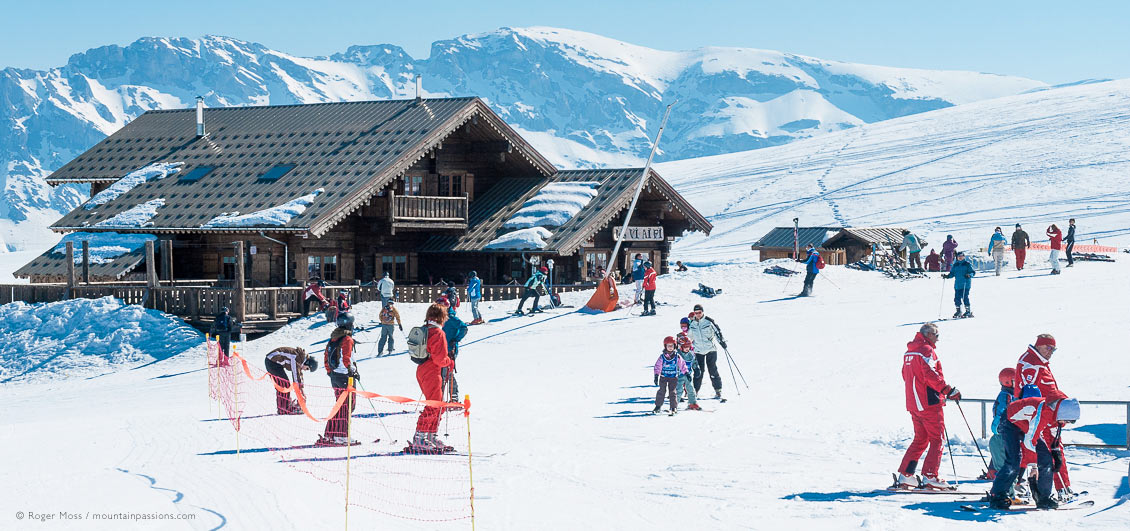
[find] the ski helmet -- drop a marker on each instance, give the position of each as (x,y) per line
(1068,410)
(669,340)
(1007,376)
(543,269)
(311,364)
(684,322)
(345,320)
(647,264)
(473,274)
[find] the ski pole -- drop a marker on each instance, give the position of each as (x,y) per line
(739,389)
(950,448)
(975,443)
(829,279)
(941,297)
(375,412)
(729,357)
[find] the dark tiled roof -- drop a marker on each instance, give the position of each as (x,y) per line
(349,149)
(487,212)
(782,237)
(54,264)
(613,196)
(868,235)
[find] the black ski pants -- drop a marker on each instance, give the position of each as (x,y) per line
(225,348)
(708,361)
(1010,469)
(1070,247)
(306,305)
(666,385)
(961,295)
(649,298)
(809,278)
(530,292)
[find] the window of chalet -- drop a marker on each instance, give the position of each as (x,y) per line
(413,185)
(228,269)
(323,267)
(396,266)
(594,260)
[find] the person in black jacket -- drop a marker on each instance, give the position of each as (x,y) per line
(223,326)
(1070,241)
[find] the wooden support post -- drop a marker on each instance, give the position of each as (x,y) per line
(274,310)
(70,250)
(167,260)
(151,273)
(238,299)
(86,261)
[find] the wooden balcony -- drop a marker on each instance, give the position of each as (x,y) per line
(427,212)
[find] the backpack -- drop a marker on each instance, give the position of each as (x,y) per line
(820,262)
(418,344)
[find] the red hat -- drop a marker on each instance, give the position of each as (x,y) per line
(441,300)
(1045,340)
(543,269)
(669,340)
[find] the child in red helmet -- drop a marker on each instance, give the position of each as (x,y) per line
(1004,398)
(668,368)
(685,385)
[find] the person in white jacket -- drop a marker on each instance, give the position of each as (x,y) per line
(387,288)
(704,332)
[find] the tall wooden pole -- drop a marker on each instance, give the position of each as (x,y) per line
(238,301)
(70,250)
(86,261)
(151,273)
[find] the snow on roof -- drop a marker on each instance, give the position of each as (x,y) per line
(105,247)
(151,172)
(529,238)
(276,216)
(136,217)
(553,205)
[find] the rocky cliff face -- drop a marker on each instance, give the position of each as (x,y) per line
(583,99)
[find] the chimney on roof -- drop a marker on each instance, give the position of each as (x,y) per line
(200,117)
(418,87)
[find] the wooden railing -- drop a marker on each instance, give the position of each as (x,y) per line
(275,306)
(428,208)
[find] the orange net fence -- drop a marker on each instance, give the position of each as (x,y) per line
(293,424)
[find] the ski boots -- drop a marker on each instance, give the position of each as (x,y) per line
(519,312)
(957,313)
(1000,502)
(968,313)
(904,481)
(1048,503)
(935,483)
(694,407)
(655,411)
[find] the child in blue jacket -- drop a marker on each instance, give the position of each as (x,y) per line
(685,346)
(1004,398)
(668,368)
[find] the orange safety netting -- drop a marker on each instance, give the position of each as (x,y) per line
(1086,248)
(382,477)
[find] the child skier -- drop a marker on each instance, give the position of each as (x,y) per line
(668,369)
(685,346)
(962,272)
(1004,398)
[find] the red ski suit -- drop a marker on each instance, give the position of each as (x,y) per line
(649,279)
(1033,369)
(428,375)
(924,381)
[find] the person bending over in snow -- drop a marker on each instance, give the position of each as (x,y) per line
(1034,378)
(962,272)
(926,394)
(934,261)
(685,385)
(1033,425)
(532,285)
(429,375)
(277,363)
(668,369)
(338,360)
(703,331)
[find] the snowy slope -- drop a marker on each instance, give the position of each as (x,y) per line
(557,416)
(1033,159)
(582,99)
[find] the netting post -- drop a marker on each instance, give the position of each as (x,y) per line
(348,444)
(235,401)
(470,469)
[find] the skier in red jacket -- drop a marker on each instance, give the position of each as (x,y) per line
(338,360)
(1034,373)
(926,394)
(1032,425)
(649,277)
(429,375)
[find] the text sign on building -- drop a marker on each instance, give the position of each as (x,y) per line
(640,234)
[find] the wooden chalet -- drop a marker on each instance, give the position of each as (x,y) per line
(858,243)
(779,242)
(423,189)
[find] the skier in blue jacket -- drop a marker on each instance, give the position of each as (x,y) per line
(962,272)
(1004,398)
(475,295)
(811,270)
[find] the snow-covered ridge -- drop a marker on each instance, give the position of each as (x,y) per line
(582,99)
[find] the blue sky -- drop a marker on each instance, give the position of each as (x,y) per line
(1055,42)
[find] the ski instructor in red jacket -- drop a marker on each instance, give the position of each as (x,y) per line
(429,375)
(926,394)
